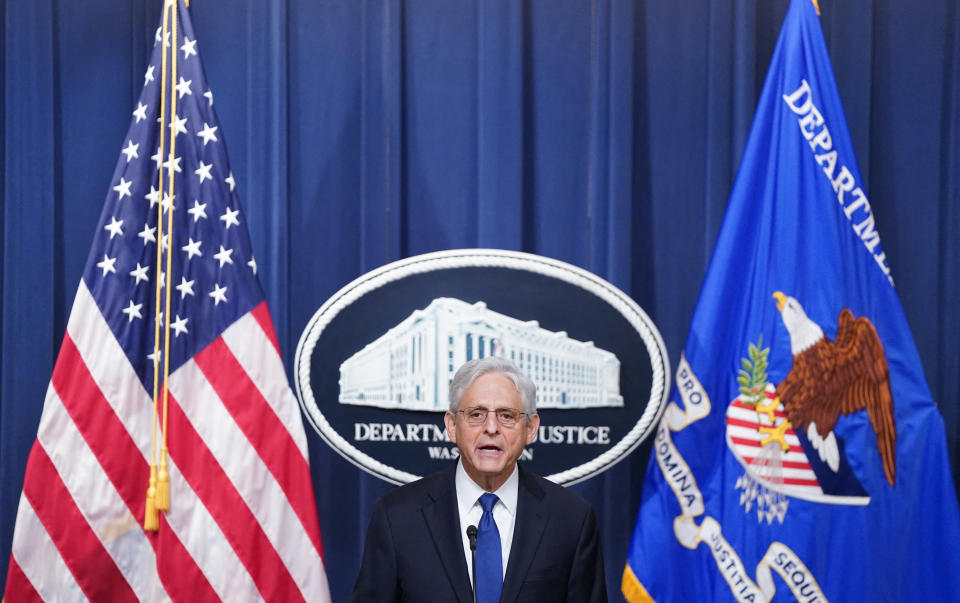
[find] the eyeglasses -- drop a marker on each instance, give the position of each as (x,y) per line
(507,417)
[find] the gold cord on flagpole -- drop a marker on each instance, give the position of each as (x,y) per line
(163,478)
(151,521)
(816,5)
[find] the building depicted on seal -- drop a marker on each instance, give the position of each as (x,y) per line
(410,366)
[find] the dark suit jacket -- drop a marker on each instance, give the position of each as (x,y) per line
(414,550)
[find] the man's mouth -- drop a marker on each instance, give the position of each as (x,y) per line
(490,449)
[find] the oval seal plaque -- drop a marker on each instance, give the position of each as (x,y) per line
(374,363)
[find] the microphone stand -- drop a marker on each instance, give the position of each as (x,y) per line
(472,536)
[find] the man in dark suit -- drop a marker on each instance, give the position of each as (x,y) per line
(535,540)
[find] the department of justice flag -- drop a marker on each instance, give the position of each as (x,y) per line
(802,455)
(176,302)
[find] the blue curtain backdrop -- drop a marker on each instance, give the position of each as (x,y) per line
(603,133)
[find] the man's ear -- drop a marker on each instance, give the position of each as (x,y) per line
(533,423)
(451,422)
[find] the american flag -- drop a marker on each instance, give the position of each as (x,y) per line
(242,521)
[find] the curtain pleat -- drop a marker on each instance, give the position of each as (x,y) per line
(942,374)
(499,126)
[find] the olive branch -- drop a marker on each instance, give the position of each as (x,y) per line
(753,376)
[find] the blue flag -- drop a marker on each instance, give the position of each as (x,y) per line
(802,455)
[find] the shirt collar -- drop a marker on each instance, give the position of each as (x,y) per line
(468,492)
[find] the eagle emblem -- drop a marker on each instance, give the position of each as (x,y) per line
(833,378)
(783,434)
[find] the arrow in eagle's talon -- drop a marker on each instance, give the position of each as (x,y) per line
(768,409)
(776,435)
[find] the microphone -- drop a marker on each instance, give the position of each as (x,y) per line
(472,536)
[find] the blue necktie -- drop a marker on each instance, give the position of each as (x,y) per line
(489,566)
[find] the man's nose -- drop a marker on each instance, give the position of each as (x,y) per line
(491,424)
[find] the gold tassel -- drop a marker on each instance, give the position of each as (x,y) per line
(151,522)
(163,483)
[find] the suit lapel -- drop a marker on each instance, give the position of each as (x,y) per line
(527,532)
(443,520)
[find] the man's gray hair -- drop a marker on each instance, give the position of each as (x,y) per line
(469,372)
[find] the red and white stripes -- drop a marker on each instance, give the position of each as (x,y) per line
(242,523)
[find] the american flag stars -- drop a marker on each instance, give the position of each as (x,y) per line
(183,87)
(210,255)
(192,248)
(198,210)
(140,273)
(166,37)
(123,188)
(148,234)
(178,125)
(140,112)
(106,264)
(154,195)
(223,256)
(189,48)
(229,218)
(179,325)
(208,133)
(172,164)
(219,294)
(130,151)
(133,311)
(114,227)
(203,171)
(185,287)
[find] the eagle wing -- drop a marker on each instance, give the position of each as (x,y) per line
(841,377)
(861,379)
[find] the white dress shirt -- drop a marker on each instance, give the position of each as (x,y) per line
(504,512)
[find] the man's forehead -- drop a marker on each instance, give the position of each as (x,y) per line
(491,390)
(492,382)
